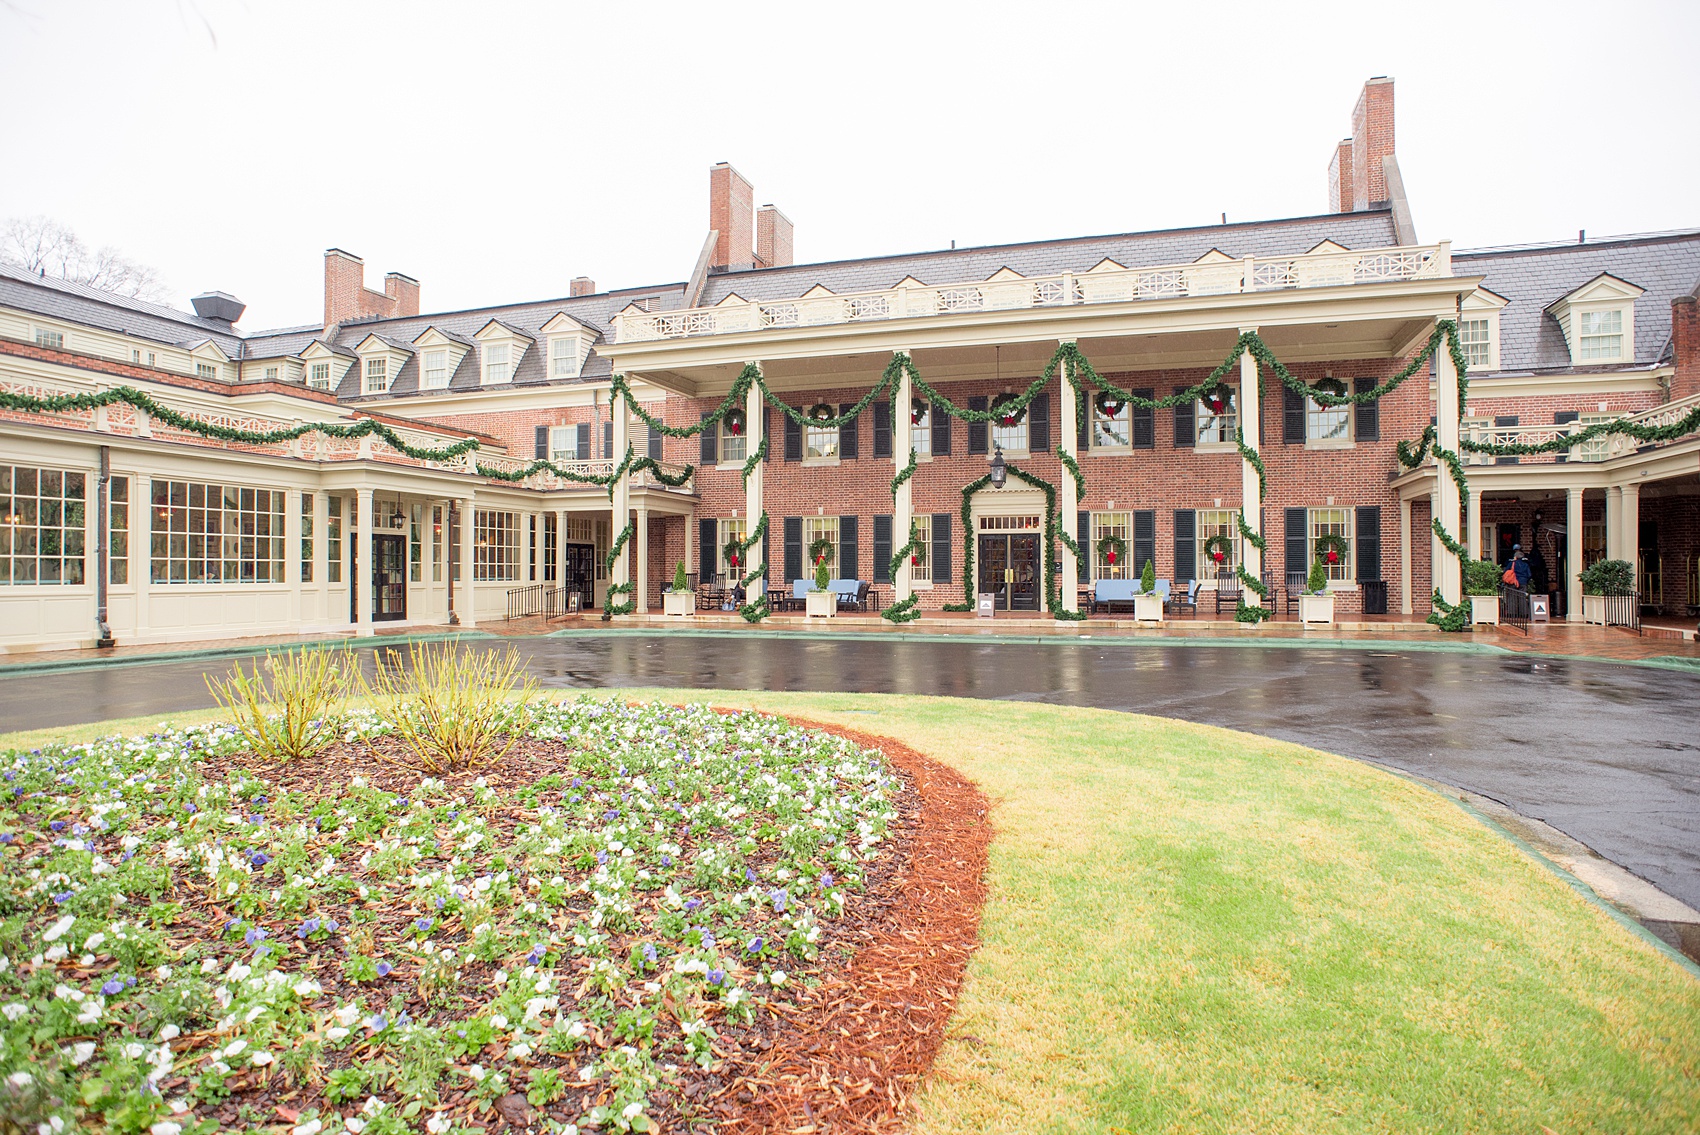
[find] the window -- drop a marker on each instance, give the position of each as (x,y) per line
(563,443)
(1328,423)
(118,531)
(1119,525)
(439,545)
(601,545)
(821,441)
(495,545)
(1213,522)
(734,446)
(150,358)
(1331,522)
(377,375)
(306,537)
(1593,542)
(436,369)
(333,539)
(46,338)
(563,358)
(271,374)
(922,572)
(1601,334)
(1478,348)
(1594,449)
(1012,439)
(551,552)
(732,529)
(319,377)
(496,363)
(921,432)
(206,370)
(135,354)
(1214,428)
(41,530)
(416,543)
(820,528)
(210,533)
(1111,430)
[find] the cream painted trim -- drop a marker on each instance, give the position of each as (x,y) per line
(1651,380)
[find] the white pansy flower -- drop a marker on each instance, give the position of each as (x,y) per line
(58,929)
(15,1011)
(81,1051)
(311,1127)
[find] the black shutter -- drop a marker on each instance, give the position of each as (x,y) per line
(1369,542)
(766,431)
(793,439)
(793,550)
(766,561)
(1292,416)
(977,431)
(541,441)
(1144,422)
(1186,544)
(1083,535)
(708,532)
(1039,423)
(941,547)
(1144,540)
(849,436)
(1366,423)
(1083,432)
(941,432)
(1298,542)
(1186,423)
(710,442)
(882,429)
(608,439)
(882,548)
(1505,420)
(655,450)
(582,450)
(849,554)
(1564,418)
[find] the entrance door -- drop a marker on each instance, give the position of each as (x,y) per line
(581,574)
(1009,569)
(389,578)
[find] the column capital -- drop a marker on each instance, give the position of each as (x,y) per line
(1068,342)
(1248,330)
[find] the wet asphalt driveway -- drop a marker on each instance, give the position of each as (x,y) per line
(1609,754)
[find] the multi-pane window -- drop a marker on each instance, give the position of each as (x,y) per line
(1011,439)
(1111,430)
(439,546)
(496,363)
(1119,525)
(333,539)
(1214,522)
(41,529)
(551,548)
(416,543)
(1597,448)
(211,533)
(732,529)
(563,358)
(734,446)
(1601,334)
(819,528)
(1214,427)
(436,369)
(563,444)
(306,537)
(822,441)
(271,374)
(118,530)
(377,375)
(921,560)
(1326,423)
(921,430)
(601,545)
(46,338)
(319,376)
(1593,542)
(495,545)
(206,370)
(1331,522)
(1473,337)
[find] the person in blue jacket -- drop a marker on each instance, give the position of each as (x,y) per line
(1520,564)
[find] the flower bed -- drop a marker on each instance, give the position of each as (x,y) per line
(193,938)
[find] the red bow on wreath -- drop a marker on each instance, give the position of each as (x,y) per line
(1110,556)
(819,559)
(1332,556)
(1217,555)
(733,560)
(1009,419)
(735,428)
(914,561)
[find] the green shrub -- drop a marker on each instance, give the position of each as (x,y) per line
(1608,577)
(1148,578)
(454,708)
(1318,581)
(290,711)
(680,581)
(1481,577)
(822,576)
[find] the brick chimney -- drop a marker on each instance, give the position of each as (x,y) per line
(582,286)
(773,238)
(731,213)
(1357,174)
(1685,346)
(348,298)
(1340,179)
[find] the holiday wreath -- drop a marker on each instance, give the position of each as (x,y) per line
(1108,404)
(1218,548)
(1112,548)
(820,552)
(1008,409)
(1331,549)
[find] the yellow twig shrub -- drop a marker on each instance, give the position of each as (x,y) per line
(453,708)
(288,706)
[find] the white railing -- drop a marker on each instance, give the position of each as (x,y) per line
(1602,448)
(1115,285)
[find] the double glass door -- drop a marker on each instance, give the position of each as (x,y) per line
(389,579)
(1009,568)
(581,574)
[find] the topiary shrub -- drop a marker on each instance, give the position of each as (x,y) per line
(1481,577)
(1148,578)
(1608,577)
(1317,584)
(680,581)
(822,576)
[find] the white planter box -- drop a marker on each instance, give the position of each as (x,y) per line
(679,602)
(1148,608)
(1594,609)
(1316,608)
(1484,609)
(820,604)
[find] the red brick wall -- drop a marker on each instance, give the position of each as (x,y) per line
(773,238)
(403,291)
(731,213)
(1685,339)
(347,296)
(1372,140)
(1340,178)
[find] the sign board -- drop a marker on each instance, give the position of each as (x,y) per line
(987,604)
(1540,609)
(574,600)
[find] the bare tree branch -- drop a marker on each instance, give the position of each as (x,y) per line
(44,245)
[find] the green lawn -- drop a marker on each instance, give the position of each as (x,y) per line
(1195,930)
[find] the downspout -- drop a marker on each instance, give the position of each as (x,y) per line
(102,549)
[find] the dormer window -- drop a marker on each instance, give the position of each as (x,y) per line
(436,369)
(1598,319)
(496,363)
(319,376)
(501,348)
(1600,334)
(377,375)
(1473,337)
(563,358)
(205,370)
(568,344)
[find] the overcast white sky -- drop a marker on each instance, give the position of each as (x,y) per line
(495,150)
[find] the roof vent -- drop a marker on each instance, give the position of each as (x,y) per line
(221,307)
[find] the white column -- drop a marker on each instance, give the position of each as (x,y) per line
(427,559)
(561,550)
(753,489)
(466,603)
(1473,524)
(292,552)
(642,539)
(903,506)
(528,522)
(1070,503)
(363,573)
(1448,572)
(1406,602)
(1614,523)
(622,572)
(537,545)
(1573,556)
(1631,538)
(322,553)
(1250,494)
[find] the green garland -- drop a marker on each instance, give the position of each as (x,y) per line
(1053,593)
(609,607)
(1682,427)
(1073,468)
(1252,456)
(909,609)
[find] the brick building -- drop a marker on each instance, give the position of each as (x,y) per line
(126,524)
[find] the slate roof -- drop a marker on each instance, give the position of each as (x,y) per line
(1531,277)
(79,303)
